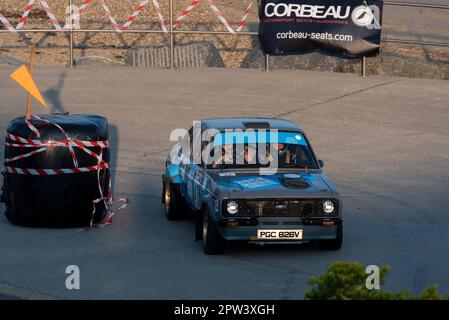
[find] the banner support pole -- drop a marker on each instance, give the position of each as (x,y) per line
(364,67)
(267,62)
(30,69)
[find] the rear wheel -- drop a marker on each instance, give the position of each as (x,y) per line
(334,244)
(173,202)
(213,242)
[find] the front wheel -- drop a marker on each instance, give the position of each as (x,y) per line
(173,203)
(213,242)
(334,244)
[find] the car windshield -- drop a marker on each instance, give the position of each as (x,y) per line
(279,150)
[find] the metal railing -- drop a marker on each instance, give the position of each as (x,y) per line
(172,32)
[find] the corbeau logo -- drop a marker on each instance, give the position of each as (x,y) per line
(306,11)
(367,16)
(362,16)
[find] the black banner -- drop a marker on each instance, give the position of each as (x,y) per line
(350,28)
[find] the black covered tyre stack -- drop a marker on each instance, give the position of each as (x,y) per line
(56,200)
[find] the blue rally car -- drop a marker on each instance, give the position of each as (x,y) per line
(254,180)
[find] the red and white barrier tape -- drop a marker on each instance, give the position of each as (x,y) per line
(51,15)
(68,141)
(213,7)
(185,13)
(22,20)
(54,21)
(6,23)
(246,13)
(32,128)
(131,19)
(26,155)
(51,172)
(160,16)
(83,7)
(220,16)
(135,14)
(30,143)
(25,15)
(108,203)
(114,23)
(43,145)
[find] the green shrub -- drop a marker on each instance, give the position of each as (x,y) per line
(346,281)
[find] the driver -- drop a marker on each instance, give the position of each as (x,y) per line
(250,155)
(225,158)
(282,152)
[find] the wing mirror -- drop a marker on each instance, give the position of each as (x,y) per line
(321,163)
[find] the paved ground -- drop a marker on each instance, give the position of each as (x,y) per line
(384,141)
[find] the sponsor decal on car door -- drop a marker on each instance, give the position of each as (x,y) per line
(197,188)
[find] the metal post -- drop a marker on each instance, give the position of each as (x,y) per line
(71,33)
(267,62)
(364,67)
(172,38)
(31,70)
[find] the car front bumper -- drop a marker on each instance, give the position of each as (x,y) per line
(313,229)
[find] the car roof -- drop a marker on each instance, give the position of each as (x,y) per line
(249,123)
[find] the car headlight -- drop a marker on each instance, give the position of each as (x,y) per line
(232,207)
(328,207)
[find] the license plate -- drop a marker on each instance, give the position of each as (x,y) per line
(285,234)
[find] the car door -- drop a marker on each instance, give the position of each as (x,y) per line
(185,164)
(195,175)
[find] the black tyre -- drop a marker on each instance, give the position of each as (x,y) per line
(213,242)
(173,202)
(13,218)
(11,214)
(333,244)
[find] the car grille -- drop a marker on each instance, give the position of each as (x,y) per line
(280,208)
(291,223)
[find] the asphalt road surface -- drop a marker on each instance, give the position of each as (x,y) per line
(385,143)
